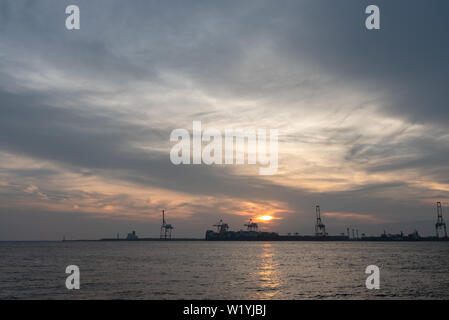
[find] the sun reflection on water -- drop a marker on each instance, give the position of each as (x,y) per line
(268,273)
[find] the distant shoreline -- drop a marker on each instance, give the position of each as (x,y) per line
(280,239)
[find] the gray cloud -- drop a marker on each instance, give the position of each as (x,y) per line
(290,58)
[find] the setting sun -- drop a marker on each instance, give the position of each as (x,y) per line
(266,218)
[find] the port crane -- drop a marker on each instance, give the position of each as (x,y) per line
(165,228)
(440,222)
(221,227)
(320,228)
(251,226)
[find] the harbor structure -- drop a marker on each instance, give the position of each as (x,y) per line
(320,228)
(440,225)
(132,236)
(166,228)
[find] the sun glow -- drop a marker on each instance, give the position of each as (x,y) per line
(265,218)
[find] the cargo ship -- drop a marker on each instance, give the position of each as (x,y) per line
(253,234)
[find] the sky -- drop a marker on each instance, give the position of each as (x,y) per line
(86,115)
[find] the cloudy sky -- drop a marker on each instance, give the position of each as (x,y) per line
(86,115)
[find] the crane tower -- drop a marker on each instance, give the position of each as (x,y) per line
(440,225)
(320,228)
(165,228)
